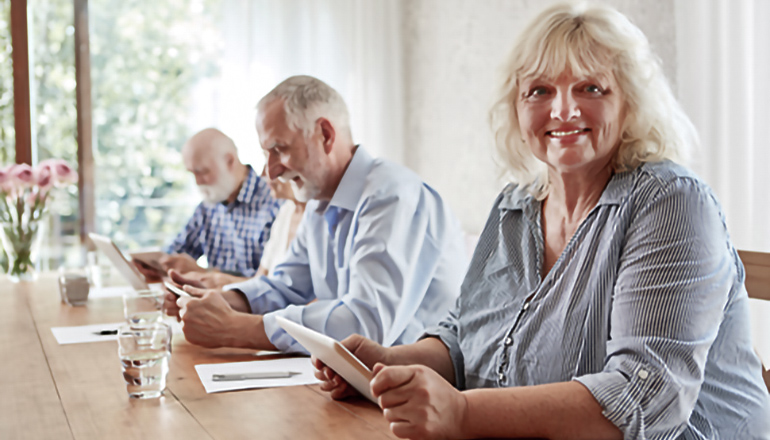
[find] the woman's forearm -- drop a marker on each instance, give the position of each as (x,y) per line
(559,410)
(430,352)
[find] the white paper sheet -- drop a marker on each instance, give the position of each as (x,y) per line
(87,333)
(301,365)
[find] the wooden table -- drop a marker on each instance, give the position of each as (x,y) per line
(52,391)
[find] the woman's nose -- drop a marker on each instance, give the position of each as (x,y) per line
(564,107)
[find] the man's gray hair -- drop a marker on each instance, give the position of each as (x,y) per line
(305,99)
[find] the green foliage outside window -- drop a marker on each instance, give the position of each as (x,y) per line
(7,132)
(146,57)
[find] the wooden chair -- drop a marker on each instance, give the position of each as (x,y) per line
(757,266)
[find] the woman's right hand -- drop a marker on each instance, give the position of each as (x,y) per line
(366,350)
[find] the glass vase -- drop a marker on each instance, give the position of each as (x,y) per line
(22,243)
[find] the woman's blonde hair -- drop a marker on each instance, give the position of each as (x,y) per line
(589,39)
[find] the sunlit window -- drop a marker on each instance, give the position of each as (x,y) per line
(54,114)
(7,132)
(146,58)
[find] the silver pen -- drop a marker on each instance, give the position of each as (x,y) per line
(249,376)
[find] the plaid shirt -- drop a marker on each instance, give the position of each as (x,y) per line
(232,235)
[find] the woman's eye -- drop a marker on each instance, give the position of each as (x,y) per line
(537,92)
(593,89)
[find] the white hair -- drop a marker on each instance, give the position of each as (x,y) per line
(305,99)
(589,39)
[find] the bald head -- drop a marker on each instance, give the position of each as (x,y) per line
(213,159)
(209,142)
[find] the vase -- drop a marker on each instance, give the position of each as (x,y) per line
(22,243)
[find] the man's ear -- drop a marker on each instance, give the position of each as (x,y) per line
(327,134)
(229,161)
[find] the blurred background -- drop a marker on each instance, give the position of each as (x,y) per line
(419,77)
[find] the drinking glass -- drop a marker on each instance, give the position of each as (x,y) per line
(73,285)
(143,308)
(144,357)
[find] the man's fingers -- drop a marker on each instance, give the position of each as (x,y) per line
(194,291)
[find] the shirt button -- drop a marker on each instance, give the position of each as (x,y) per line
(509,341)
(526,306)
(501,376)
(643,374)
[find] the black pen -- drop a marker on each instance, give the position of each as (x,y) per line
(106,332)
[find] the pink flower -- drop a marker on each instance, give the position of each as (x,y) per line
(44,176)
(62,173)
(21,176)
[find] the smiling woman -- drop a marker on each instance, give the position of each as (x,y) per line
(604,292)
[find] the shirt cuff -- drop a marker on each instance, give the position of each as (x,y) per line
(278,335)
(449,338)
(637,399)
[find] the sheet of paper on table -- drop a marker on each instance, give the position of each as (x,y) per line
(300,365)
(88,333)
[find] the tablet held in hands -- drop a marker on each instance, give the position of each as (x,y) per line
(333,354)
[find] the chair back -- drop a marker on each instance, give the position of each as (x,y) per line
(757,266)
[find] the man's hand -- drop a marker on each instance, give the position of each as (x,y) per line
(169,302)
(182,263)
(368,351)
(212,280)
(207,318)
(418,402)
(151,275)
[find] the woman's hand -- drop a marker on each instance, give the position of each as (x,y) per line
(418,402)
(366,350)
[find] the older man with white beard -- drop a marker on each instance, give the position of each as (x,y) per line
(378,251)
(232,224)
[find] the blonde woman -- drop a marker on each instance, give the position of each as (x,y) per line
(604,299)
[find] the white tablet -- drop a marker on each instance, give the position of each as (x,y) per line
(129,272)
(333,354)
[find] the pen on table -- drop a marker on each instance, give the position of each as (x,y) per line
(259,375)
(106,332)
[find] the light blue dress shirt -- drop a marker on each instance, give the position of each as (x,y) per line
(384,258)
(231,235)
(646,307)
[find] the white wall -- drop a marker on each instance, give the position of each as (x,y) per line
(453,51)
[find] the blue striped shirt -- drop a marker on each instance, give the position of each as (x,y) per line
(646,307)
(232,235)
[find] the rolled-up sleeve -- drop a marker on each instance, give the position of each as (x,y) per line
(446,331)
(674,279)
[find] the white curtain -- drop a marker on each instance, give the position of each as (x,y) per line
(723,68)
(352,45)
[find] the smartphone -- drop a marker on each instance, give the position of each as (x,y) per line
(176,290)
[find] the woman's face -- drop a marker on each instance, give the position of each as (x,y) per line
(572,123)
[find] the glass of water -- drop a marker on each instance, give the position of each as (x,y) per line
(73,285)
(143,308)
(144,356)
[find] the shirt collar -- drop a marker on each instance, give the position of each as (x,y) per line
(516,197)
(351,185)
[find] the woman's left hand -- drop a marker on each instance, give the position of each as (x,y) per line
(418,402)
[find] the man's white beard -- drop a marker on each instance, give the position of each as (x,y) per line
(308,191)
(220,190)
